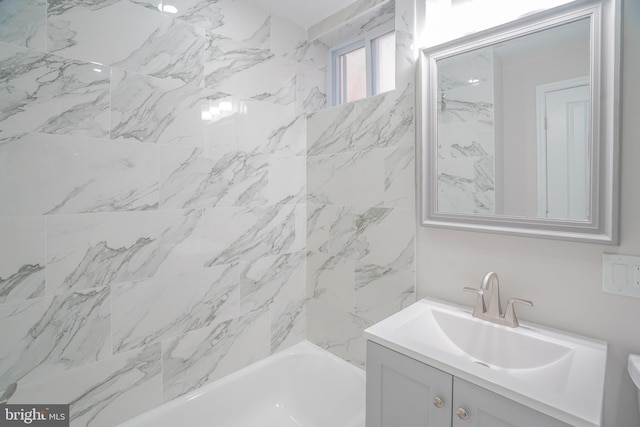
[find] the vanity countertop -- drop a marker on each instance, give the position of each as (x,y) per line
(557,373)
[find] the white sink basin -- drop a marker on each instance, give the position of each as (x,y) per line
(557,373)
(487,343)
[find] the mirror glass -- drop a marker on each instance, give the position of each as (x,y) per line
(518,127)
(513,126)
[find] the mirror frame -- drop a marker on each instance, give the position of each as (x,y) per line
(603,224)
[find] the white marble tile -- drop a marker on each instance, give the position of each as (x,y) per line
(277,279)
(243,21)
(406,49)
(38,172)
(22,258)
(256,127)
(225,56)
(381,291)
(24,22)
(241,68)
(205,14)
(320,219)
(301,228)
(118,177)
(127,36)
(164,111)
(312,90)
(400,178)
(330,279)
(338,331)
(483,176)
(44,336)
(379,236)
(154,5)
(379,18)
(385,120)
(288,324)
(286,37)
(455,74)
(463,202)
(167,306)
(287,179)
(331,131)
(461,168)
(207,177)
(464,138)
(222,133)
(239,59)
(50,94)
(86,251)
(202,356)
(289,137)
(353,178)
(268,127)
(313,65)
(465,121)
(354,10)
(240,234)
(104,393)
(466,184)
(313,55)
(460,107)
(54,174)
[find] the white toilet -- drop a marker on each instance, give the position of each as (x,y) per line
(634,370)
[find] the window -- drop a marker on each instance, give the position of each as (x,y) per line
(363,68)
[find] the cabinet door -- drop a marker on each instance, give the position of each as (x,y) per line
(402,392)
(487,409)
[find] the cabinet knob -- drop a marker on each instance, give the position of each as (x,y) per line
(438,402)
(462,413)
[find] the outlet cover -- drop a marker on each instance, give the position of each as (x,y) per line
(621,274)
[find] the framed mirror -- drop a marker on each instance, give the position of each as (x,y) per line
(519,129)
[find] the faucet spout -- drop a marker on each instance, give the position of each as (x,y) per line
(494,312)
(490,283)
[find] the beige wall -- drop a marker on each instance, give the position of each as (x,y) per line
(520,77)
(562,278)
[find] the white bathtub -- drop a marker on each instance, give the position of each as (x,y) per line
(304,386)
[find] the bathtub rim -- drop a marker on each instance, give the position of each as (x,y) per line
(303,347)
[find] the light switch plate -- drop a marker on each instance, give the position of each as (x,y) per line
(621,274)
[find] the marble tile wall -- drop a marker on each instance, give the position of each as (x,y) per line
(177,201)
(152,197)
(467,142)
(361,201)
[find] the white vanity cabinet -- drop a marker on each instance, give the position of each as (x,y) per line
(403,392)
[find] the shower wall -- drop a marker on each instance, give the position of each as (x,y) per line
(152,188)
(360,198)
(467,142)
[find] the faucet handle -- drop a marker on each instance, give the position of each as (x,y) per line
(510,313)
(479,307)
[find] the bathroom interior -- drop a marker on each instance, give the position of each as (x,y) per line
(185,192)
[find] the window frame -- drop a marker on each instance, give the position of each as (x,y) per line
(366,41)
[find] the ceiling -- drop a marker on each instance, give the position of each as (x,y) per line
(303,12)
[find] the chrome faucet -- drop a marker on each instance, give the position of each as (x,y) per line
(494,313)
(490,283)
